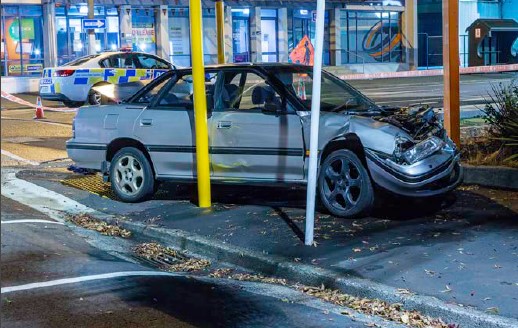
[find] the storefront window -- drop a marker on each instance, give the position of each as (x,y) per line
(143,30)
(303,26)
(22,40)
(241,34)
(179,37)
(72,40)
(269,35)
(370,37)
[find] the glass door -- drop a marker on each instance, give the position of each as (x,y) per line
(304,26)
(269,35)
(72,40)
(241,39)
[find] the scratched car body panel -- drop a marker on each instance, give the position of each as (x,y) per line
(258,120)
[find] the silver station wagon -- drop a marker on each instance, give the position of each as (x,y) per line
(259,118)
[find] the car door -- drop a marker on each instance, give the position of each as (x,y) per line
(246,141)
(166,128)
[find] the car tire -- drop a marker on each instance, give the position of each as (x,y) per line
(73,104)
(96,98)
(344,185)
(131,175)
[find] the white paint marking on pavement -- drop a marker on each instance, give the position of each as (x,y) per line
(65,281)
(36,121)
(30,221)
(54,205)
(18,158)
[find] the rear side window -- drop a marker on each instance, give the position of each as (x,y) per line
(149,95)
(119,61)
(150,62)
(180,94)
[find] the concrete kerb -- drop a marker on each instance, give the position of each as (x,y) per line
(491,176)
(310,275)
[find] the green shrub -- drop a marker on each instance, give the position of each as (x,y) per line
(501,113)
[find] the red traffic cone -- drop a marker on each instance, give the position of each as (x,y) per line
(39,109)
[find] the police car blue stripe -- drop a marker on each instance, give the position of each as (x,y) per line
(131,72)
(123,79)
(81,80)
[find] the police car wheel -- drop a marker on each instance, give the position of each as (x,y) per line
(96,98)
(73,104)
(131,175)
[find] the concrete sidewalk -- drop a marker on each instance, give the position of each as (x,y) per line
(460,260)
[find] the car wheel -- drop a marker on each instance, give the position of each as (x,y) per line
(73,104)
(96,98)
(344,185)
(131,175)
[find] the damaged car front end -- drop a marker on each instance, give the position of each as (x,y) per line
(423,160)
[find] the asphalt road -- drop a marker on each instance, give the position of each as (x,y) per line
(474,89)
(34,253)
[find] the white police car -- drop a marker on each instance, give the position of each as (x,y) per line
(78,82)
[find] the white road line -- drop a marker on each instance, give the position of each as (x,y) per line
(54,205)
(66,281)
(30,221)
(18,158)
(36,121)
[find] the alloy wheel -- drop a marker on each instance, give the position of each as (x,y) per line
(129,175)
(342,183)
(96,98)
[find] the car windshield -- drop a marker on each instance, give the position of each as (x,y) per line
(81,60)
(336,95)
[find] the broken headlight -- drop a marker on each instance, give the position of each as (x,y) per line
(422,150)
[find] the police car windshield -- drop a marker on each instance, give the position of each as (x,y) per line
(81,60)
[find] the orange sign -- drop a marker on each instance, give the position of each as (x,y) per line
(303,52)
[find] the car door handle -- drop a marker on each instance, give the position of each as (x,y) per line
(146,122)
(224,125)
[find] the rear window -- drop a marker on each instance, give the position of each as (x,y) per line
(82,60)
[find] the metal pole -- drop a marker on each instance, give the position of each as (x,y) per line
(220,24)
(200,104)
(91,32)
(450,17)
(315,119)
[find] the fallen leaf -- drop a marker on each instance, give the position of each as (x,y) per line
(447,290)
(493,310)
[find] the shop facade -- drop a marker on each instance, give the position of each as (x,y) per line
(38,34)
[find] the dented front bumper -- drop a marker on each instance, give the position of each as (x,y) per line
(431,176)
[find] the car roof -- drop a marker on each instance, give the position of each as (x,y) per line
(98,57)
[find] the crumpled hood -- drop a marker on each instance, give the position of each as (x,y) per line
(375,135)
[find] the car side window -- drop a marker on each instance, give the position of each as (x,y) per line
(248,91)
(148,96)
(125,61)
(150,62)
(180,94)
(162,64)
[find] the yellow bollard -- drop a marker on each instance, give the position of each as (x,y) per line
(200,104)
(220,23)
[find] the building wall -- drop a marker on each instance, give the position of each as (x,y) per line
(430,25)
(153,27)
